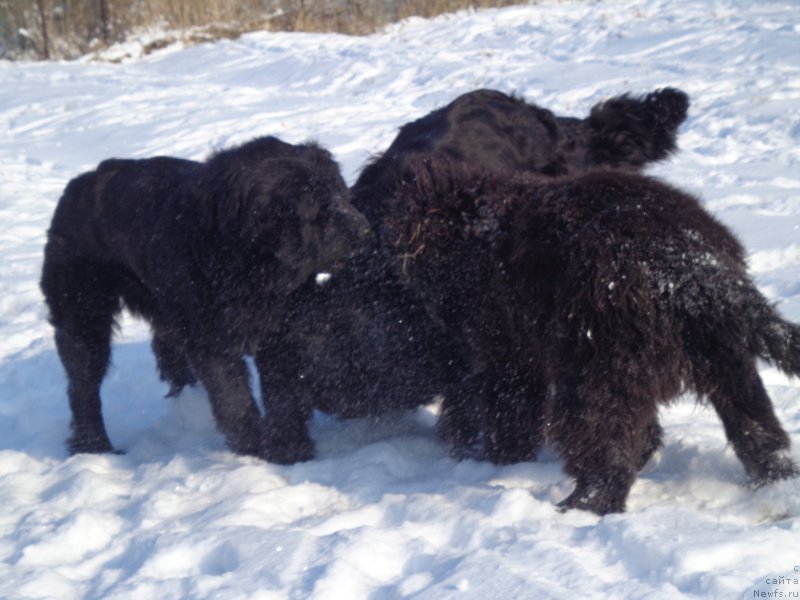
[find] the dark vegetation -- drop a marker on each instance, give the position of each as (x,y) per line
(62,29)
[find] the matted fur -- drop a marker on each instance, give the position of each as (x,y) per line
(210,254)
(374,347)
(583,304)
(367,342)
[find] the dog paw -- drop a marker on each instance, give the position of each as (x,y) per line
(288,455)
(90,445)
(286,445)
(594,499)
(777,467)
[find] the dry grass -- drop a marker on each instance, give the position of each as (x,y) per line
(359,17)
(70,28)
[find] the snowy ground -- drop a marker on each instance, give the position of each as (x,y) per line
(383,512)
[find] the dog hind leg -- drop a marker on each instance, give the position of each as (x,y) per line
(737,393)
(603,434)
(83,302)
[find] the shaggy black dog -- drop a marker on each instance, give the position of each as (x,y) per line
(585,303)
(500,132)
(362,353)
(377,350)
(367,344)
(210,254)
(363,345)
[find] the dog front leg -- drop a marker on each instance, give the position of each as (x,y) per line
(461,417)
(287,404)
(514,406)
(172,361)
(227,382)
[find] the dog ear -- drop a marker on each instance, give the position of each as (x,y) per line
(252,203)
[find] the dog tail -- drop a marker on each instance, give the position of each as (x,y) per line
(773,338)
(630,131)
(667,107)
(735,310)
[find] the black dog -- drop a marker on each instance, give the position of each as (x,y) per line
(386,353)
(364,345)
(370,346)
(585,303)
(498,132)
(210,254)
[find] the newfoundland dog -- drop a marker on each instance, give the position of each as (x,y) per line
(499,132)
(210,254)
(369,346)
(584,303)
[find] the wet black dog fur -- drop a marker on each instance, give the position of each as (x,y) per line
(361,345)
(374,324)
(210,254)
(380,351)
(582,304)
(365,344)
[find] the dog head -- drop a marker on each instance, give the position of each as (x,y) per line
(319,229)
(285,206)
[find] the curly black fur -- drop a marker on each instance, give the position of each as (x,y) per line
(365,351)
(211,255)
(372,343)
(582,305)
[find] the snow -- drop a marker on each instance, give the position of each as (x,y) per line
(383,512)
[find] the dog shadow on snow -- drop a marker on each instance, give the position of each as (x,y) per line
(398,452)
(144,422)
